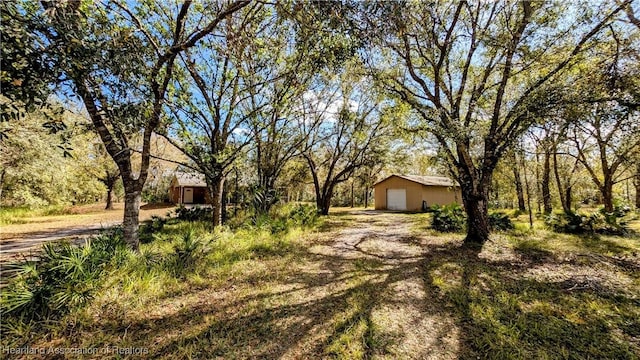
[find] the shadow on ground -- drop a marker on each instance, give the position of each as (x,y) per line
(374,289)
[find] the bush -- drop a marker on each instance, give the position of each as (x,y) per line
(196,213)
(448,218)
(599,222)
(186,254)
(304,215)
(156,224)
(499,221)
(65,277)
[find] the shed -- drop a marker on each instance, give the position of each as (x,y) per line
(415,192)
(186,188)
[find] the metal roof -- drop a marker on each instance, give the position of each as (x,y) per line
(187,179)
(424,180)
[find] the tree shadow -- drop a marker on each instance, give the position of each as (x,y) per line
(326,306)
(502,313)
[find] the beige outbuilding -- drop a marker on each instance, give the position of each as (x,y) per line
(414,192)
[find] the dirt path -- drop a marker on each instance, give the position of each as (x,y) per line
(384,252)
(21,239)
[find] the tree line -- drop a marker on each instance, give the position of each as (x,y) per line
(489,86)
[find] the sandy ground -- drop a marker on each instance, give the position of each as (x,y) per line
(20,239)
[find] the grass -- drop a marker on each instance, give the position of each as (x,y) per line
(359,286)
(19,215)
(24,222)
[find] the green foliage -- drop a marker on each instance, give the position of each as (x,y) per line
(517,212)
(196,213)
(281,220)
(448,218)
(598,222)
(304,215)
(64,277)
(154,225)
(36,171)
(499,221)
(186,254)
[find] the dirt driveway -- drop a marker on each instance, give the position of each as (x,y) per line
(20,239)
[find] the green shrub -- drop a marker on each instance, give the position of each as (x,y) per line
(280,220)
(186,254)
(154,225)
(64,277)
(499,221)
(448,218)
(599,222)
(304,215)
(196,213)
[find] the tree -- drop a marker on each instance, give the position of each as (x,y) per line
(120,62)
(211,109)
(36,170)
(478,75)
(106,171)
(26,74)
(606,133)
(341,143)
(305,43)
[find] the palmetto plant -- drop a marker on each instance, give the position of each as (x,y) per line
(65,276)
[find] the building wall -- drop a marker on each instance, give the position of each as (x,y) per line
(413,190)
(416,194)
(200,194)
(440,195)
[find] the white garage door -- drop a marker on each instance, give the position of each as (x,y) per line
(397,199)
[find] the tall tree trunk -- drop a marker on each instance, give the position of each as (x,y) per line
(607,194)
(366,197)
(109,198)
(563,192)
(216,188)
(519,191)
(352,196)
(475,196)
(544,185)
(130,223)
(223,212)
(323,202)
(2,175)
(538,191)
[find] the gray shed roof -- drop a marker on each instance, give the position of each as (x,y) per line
(187,179)
(424,180)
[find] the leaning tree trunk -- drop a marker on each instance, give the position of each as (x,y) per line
(130,223)
(544,185)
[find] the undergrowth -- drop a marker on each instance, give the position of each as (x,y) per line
(67,280)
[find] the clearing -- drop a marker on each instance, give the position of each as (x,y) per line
(379,285)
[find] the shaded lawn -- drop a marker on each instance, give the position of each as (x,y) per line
(374,285)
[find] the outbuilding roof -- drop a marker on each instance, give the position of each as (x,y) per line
(424,180)
(188,179)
